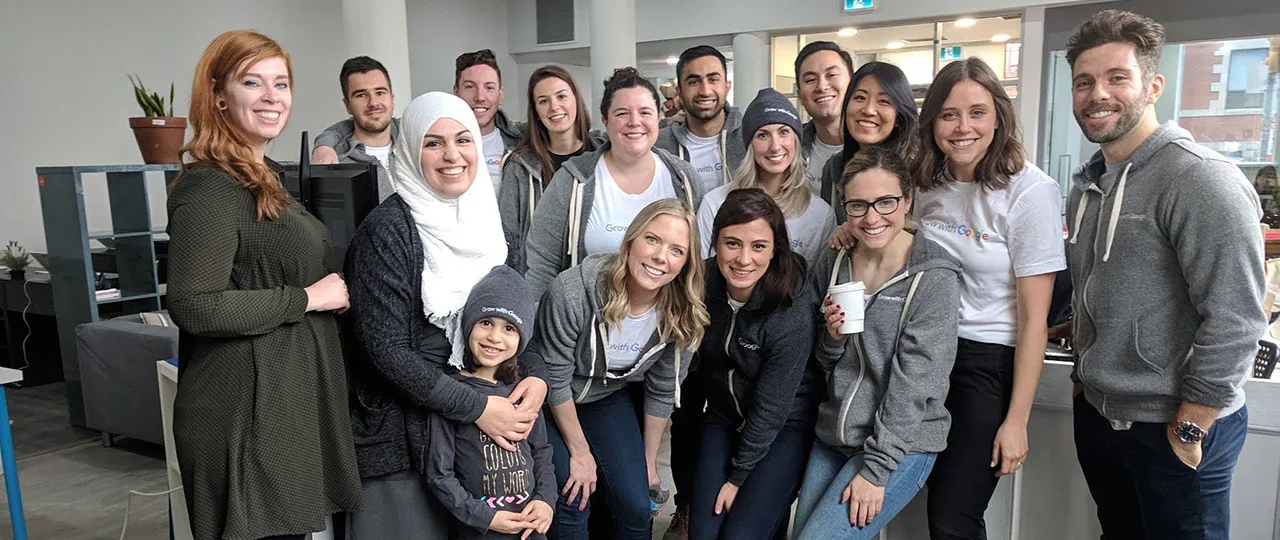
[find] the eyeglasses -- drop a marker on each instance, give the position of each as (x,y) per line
(884,206)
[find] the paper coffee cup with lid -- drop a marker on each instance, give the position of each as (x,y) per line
(850,298)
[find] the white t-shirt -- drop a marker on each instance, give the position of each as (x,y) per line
(808,231)
(818,156)
(494,149)
(613,209)
(380,152)
(704,155)
(628,338)
(998,236)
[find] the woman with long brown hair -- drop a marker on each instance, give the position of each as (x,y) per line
(559,128)
(261,426)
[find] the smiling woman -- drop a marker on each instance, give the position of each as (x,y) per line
(253,293)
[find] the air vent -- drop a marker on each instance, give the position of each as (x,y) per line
(555,21)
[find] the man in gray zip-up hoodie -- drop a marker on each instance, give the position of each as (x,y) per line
(369,136)
(562,214)
(1167,262)
(710,136)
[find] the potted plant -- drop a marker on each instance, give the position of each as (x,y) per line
(16,259)
(159,132)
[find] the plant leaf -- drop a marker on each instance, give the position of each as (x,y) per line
(170,98)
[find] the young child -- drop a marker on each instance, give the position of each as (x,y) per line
(494,493)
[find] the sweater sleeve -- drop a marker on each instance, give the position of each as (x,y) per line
(830,190)
(544,469)
(204,238)
(555,338)
(775,387)
(445,485)
(383,296)
(918,374)
(511,209)
(546,244)
(335,134)
(1213,226)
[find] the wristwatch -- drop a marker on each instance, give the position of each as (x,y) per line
(1188,432)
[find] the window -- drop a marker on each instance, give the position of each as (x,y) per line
(1246,76)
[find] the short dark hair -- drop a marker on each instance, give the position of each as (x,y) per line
(623,78)
(815,46)
(786,268)
(877,157)
(906,120)
(1115,26)
(694,53)
(482,57)
(1004,158)
(360,64)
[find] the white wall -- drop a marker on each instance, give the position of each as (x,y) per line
(65,98)
(440,30)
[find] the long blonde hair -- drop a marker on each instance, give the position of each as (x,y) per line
(213,141)
(680,303)
(795,194)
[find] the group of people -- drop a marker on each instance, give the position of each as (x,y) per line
(532,306)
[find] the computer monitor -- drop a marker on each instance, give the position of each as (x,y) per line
(339,195)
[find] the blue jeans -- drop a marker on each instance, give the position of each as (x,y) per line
(763,503)
(821,515)
(1141,487)
(622,476)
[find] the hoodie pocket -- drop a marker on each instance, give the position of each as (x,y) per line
(375,418)
(1161,339)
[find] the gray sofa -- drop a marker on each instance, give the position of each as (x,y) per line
(118,374)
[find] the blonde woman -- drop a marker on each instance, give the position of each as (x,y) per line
(775,164)
(633,316)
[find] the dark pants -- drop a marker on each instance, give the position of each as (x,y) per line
(622,477)
(963,480)
(686,430)
(286,537)
(763,504)
(1141,487)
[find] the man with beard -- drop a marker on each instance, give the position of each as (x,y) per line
(823,71)
(1166,257)
(708,138)
(371,131)
(477,79)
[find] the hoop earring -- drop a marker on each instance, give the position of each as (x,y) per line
(221,105)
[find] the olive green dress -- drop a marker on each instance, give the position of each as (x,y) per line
(261,424)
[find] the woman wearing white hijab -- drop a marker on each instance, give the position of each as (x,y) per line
(410,267)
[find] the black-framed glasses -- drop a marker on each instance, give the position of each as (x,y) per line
(884,206)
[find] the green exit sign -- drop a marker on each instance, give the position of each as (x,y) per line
(859,6)
(950,53)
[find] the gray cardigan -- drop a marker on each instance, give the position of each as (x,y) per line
(518,197)
(552,246)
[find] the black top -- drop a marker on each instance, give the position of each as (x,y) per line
(757,366)
(474,478)
(557,160)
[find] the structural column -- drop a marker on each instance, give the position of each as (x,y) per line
(613,40)
(378,29)
(751,64)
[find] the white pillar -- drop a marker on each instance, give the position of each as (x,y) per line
(751,64)
(1030,69)
(613,42)
(378,29)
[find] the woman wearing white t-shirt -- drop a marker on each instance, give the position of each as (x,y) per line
(594,197)
(1001,218)
(773,163)
(631,316)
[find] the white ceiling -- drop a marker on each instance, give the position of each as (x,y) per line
(921,35)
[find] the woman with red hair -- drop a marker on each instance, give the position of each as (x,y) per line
(261,427)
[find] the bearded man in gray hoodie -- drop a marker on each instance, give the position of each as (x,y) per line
(1166,258)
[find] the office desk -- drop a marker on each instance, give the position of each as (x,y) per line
(12,490)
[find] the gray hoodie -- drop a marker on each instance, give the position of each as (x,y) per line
(519,194)
(1166,257)
(341,138)
(831,186)
(571,337)
(887,386)
(732,151)
(555,241)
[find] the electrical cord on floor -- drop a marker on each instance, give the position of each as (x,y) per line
(26,363)
(129,505)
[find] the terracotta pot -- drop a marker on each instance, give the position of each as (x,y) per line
(159,138)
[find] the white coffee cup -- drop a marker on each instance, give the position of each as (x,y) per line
(849,296)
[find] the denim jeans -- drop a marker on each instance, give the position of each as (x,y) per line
(821,515)
(763,503)
(1141,487)
(622,476)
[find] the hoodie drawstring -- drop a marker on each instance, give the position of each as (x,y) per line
(575,202)
(724,157)
(1075,229)
(677,377)
(1115,212)
(532,201)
